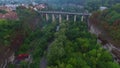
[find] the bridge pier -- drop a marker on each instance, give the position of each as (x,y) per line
(82,18)
(47,18)
(60,18)
(53,18)
(67,18)
(75,16)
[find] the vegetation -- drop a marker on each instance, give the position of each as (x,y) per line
(7,30)
(36,36)
(80,5)
(36,43)
(3,11)
(109,22)
(94,5)
(73,48)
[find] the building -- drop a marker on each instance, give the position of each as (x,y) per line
(40,6)
(9,7)
(12,7)
(10,15)
(5,8)
(103,8)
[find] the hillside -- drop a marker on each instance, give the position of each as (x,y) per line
(63,39)
(108,20)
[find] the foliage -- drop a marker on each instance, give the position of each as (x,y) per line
(108,20)
(77,50)
(71,47)
(3,11)
(7,28)
(93,5)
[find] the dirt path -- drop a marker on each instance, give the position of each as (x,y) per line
(43,63)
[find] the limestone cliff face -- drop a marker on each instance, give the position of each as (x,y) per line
(6,58)
(115,51)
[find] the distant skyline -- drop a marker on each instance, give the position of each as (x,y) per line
(21,0)
(57,2)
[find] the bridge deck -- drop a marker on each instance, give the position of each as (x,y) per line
(60,12)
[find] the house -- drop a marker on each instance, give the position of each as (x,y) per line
(40,6)
(9,15)
(5,8)
(9,7)
(22,56)
(12,7)
(103,8)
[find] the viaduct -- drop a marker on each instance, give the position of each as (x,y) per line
(60,13)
